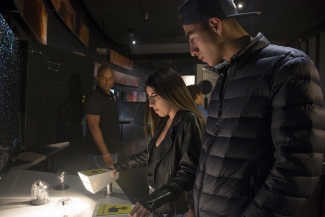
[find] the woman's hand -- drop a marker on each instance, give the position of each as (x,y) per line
(113,172)
(190,213)
(111,166)
(139,211)
(108,161)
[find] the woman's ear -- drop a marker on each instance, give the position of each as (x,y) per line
(216,25)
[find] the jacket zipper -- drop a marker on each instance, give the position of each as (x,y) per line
(223,88)
(229,72)
(224,84)
(170,175)
(201,181)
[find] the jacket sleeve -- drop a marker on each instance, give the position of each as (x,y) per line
(184,178)
(297,128)
(134,161)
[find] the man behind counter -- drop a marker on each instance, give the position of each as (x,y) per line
(103,133)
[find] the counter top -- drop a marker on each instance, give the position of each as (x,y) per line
(15,195)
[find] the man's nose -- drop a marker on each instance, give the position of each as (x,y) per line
(193,50)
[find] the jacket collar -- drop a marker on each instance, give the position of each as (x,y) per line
(220,68)
(178,116)
(169,134)
(257,43)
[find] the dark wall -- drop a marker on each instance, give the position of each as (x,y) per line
(59,36)
(134,110)
(9,91)
(56,82)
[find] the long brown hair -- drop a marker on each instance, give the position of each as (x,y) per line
(170,86)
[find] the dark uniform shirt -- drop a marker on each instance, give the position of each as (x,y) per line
(101,104)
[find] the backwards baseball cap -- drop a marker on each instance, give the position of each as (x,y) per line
(194,11)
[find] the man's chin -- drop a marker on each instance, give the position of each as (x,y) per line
(207,63)
(106,88)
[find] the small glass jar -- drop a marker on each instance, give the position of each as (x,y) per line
(62,180)
(65,208)
(40,192)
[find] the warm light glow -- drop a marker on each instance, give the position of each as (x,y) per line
(133,42)
(81,205)
(240,5)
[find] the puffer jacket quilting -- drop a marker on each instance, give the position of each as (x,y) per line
(264,143)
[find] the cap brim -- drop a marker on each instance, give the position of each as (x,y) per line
(244,15)
(238,16)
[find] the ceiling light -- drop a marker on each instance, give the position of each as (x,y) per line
(133,42)
(240,5)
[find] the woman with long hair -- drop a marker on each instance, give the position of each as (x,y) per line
(172,155)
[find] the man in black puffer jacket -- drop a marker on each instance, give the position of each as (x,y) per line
(264,144)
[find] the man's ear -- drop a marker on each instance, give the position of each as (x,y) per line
(196,96)
(216,25)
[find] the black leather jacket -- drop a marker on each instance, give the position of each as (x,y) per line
(175,169)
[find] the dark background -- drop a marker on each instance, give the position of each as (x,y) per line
(55,83)
(299,23)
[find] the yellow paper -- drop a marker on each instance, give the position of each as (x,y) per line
(113,209)
(93,172)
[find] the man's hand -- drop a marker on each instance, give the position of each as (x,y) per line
(108,162)
(113,172)
(139,211)
(190,213)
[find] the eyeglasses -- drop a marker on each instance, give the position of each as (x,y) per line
(152,99)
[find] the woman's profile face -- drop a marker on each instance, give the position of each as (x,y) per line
(158,104)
